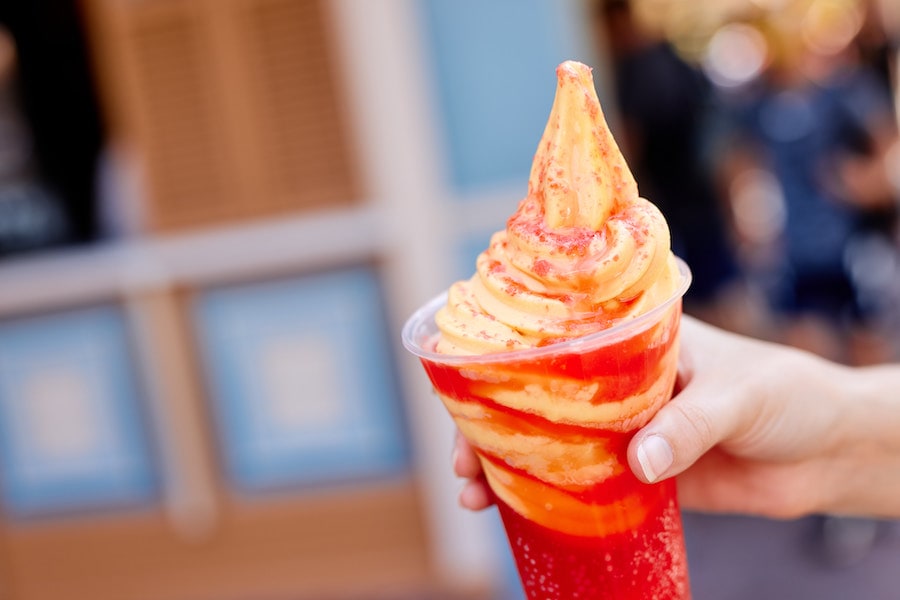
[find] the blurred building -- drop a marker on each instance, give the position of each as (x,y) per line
(214,217)
(202,391)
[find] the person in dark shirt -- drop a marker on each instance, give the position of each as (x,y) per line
(48,101)
(820,124)
(663,102)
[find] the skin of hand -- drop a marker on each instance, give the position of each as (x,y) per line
(762,429)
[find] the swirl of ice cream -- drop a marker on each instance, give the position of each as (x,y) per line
(582,252)
(552,429)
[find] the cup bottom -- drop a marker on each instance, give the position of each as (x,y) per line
(646,563)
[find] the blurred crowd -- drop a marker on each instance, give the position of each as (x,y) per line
(770,142)
(773,152)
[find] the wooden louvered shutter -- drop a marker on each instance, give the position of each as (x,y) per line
(295,107)
(232,107)
(180,134)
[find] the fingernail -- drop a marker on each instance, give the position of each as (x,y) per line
(655,456)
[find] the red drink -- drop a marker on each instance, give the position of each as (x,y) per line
(647,562)
(551,426)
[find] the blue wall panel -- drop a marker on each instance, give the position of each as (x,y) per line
(493,72)
(71,430)
(302,380)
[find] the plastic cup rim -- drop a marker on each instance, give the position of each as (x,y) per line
(624,328)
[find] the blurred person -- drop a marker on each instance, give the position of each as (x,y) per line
(876,46)
(870,179)
(821,123)
(662,102)
(58,120)
(31,213)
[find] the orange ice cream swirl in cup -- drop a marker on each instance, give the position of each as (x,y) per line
(582,254)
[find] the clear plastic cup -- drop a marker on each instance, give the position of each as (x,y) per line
(551,426)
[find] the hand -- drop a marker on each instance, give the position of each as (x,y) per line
(758,428)
(475,494)
(754,427)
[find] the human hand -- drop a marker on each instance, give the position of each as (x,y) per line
(475,494)
(754,428)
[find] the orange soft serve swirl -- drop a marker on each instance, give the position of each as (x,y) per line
(582,252)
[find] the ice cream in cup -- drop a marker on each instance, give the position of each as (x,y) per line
(558,349)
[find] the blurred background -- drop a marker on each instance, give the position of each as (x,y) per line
(216,214)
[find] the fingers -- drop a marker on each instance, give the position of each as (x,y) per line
(465,461)
(475,494)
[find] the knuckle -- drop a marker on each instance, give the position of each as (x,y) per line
(699,424)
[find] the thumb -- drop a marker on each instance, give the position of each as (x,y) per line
(680,433)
